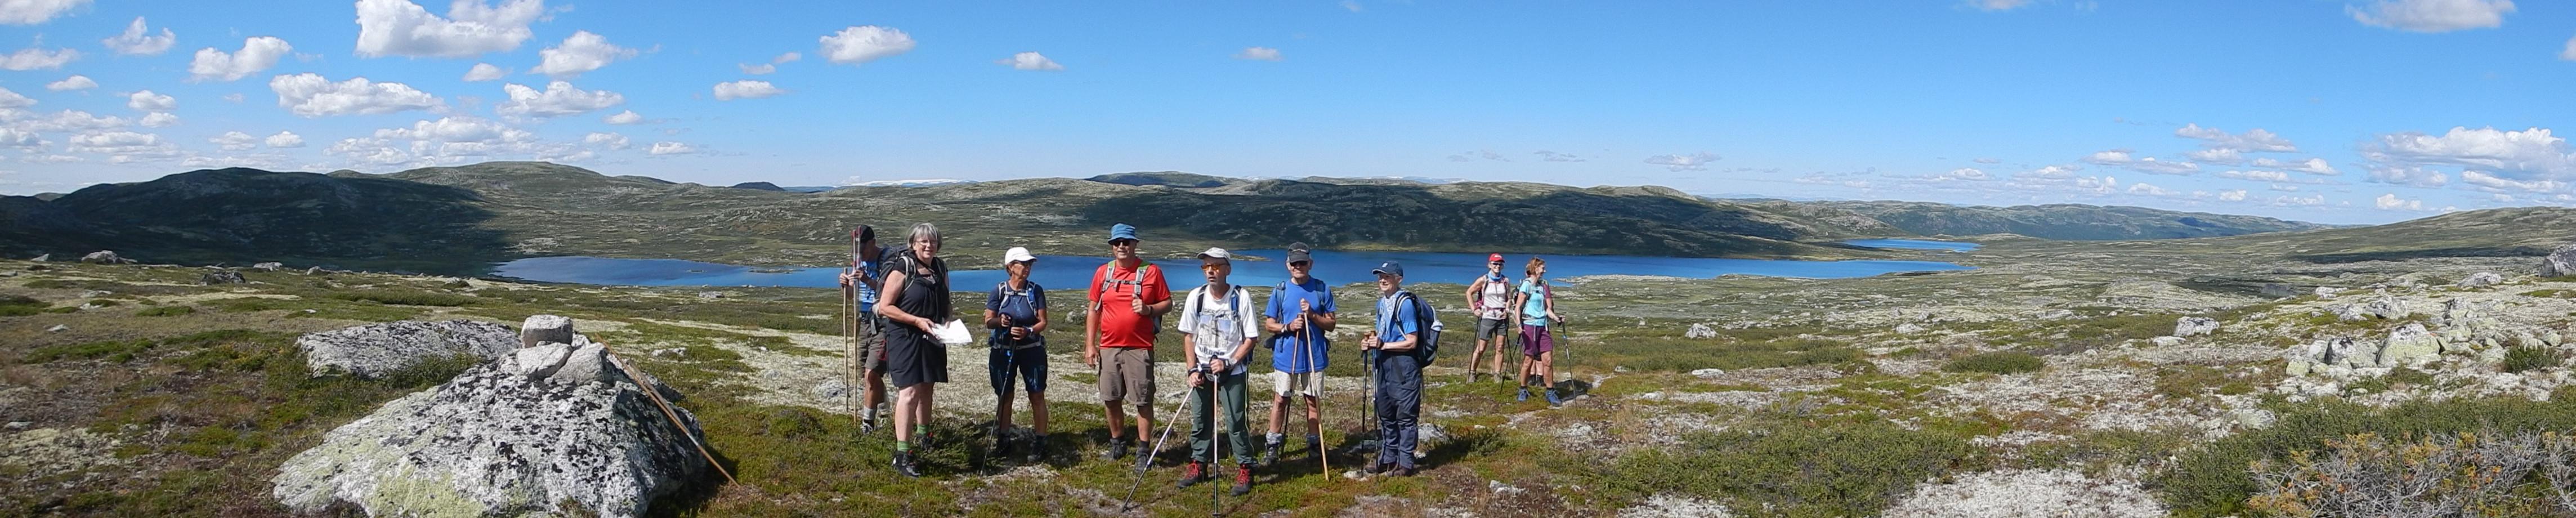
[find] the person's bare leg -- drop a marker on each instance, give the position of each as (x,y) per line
(903,414)
(1038,412)
(1002,413)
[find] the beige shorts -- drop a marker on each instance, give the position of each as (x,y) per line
(1310,384)
(1127,374)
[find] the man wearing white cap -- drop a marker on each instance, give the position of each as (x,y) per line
(1016,312)
(1218,325)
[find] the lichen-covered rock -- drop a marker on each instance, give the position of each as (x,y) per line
(2410,346)
(2383,306)
(2481,279)
(375,349)
(1699,331)
(214,277)
(2165,341)
(105,257)
(496,442)
(2194,326)
(539,329)
(268,266)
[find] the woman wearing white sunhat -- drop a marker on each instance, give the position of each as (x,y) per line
(1015,311)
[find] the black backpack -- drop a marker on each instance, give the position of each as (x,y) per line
(1427,323)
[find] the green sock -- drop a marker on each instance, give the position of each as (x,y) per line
(902,446)
(920,430)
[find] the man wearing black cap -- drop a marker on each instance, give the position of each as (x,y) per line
(1398,363)
(1300,320)
(863,278)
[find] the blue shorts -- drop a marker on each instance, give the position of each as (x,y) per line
(1029,365)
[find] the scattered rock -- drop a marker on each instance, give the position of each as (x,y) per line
(2165,341)
(2326,292)
(1700,331)
(2560,263)
(1662,506)
(58,328)
(2384,306)
(268,267)
(105,257)
(314,270)
(2481,279)
(2410,346)
(376,349)
(2195,326)
(539,329)
(2335,351)
(43,258)
(2012,492)
(220,277)
(1908,328)
(711,295)
(493,442)
(1708,373)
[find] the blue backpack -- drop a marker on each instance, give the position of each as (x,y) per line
(1427,323)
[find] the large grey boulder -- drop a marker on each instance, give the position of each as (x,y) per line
(541,329)
(2410,346)
(2194,326)
(2560,263)
(268,266)
(497,441)
(220,276)
(376,349)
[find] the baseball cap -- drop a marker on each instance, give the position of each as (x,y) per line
(1122,231)
(1496,258)
(1297,253)
(1017,254)
(1216,253)
(1389,268)
(864,234)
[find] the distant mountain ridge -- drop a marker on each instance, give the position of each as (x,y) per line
(461,217)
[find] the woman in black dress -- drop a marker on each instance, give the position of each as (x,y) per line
(915,300)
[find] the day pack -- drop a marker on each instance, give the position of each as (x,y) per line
(1428,322)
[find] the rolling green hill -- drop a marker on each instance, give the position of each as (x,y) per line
(2071,222)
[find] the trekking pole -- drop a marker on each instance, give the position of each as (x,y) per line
(1305,343)
(1216,443)
(1146,459)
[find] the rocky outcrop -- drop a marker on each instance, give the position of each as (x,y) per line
(43,258)
(539,329)
(268,267)
(544,426)
(214,277)
(2195,326)
(2411,346)
(376,349)
(2560,263)
(2055,492)
(2383,306)
(105,257)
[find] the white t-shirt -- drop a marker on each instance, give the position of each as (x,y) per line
(1219,328)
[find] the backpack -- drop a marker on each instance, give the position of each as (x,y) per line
(1426,322)
(1233,302)
(909,265)
(1149,268)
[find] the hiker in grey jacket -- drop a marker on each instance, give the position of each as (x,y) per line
(1218,323)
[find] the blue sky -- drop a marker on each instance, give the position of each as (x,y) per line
(2332,111)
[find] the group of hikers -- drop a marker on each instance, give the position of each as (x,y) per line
(900,296)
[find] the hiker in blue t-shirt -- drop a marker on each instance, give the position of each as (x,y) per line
(1538,338)
(1016,312)
(1298,318)
(1398,365)
(867,361)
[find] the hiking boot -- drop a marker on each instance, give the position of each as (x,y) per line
(1552,399)
(1242,480)
(1037,449)
(1405,471)
(1314,447)
(1193,473)
(905,464)
(1270,451)
(1117,449)
(1001,447)
(1524,395)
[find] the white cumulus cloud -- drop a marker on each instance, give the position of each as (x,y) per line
(1258,54)
(582,52)
(2409,175)
(2112,157)
(2390,201)
(1691,162)
(559,98)
(285,139)
(864,43)
(485,72)
(2147,189)
(151,102)
(623,118)
(1030,61)
(611,140)
(75,82)
(257,54)
(10,100)
(138,40)
(2315,166)
(2256,175)
(471,28)
(159,120)
(2217,155)
(35,58)
(670,148)
(310,95)
(760,69)
(2231,195)
(31,12)
(2531,154)
(2432,15)
(234,141)
(2570,52)
(745,89)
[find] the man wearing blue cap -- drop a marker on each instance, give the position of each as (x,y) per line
(1128,298)
(1398,363)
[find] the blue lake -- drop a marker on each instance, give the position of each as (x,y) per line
(1062,272)
(1913,244)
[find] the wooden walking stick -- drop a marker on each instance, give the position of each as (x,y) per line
(1314,381)
(656,395)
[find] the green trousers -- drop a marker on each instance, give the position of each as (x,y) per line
(1229,391)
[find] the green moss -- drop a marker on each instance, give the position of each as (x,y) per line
(1795,468)
(166,311)
(1997,362)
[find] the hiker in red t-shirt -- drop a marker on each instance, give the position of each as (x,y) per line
(1128,298)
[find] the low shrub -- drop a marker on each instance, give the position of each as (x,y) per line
(406,298)
(2214,480)
(1998,362)
(2525,358)
(1796,468)
(166,311)
(2464,474)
